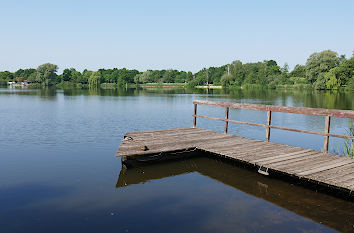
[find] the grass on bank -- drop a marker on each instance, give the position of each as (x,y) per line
(348,148)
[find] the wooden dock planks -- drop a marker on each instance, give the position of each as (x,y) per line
(322,168)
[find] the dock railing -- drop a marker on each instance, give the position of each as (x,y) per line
(327,113)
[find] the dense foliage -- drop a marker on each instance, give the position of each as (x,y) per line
(323,70)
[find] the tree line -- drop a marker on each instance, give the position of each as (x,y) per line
(323,70)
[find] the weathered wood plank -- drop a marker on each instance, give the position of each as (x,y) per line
(348,182)
(162,131)
(274,158)
(269,108)
(316,159)
(265,154)
(269,118)
(298,110)
(219,150)
(278,127)
(226,119)
(242,146)
(326,138)
(169,145)
(257,151)
(293,161)
(178,134)
(296,161)
(230,142)
(323,167)
(344,178)
(167,133)
(195,118)
(188,138)
(248,152)
(333,173)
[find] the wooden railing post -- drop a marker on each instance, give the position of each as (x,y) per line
(226,119)
(328,113)
(326,138)
(195,116)
(269,119)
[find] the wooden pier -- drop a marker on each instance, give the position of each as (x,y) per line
(321,168)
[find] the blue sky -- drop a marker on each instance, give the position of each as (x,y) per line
(156,34)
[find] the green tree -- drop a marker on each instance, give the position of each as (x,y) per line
(320,82)
(298,71)
(350,85)
(238,72)
(320,63)
(332,82)
(226,80)
(168,76)
(46,73)
(85,76)
(94,80)
(189,76)
(67,75)
(285,68)
(145,77)
(5,76)
(76,76)
(345,71)
(24,73)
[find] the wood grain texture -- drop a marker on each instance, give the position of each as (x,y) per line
(328,113)
(226,119)
(325,168)
(298,110)
(327,134)
(326,138)
(269,118)
(195,118)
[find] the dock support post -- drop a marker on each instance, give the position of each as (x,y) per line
(326,138)
(226,119)
(269,119)
(195,116)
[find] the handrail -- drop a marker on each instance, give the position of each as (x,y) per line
(328,113)
(273,108)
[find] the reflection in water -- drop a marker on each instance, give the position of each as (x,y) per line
(303,98)
(57,165)
(321,208)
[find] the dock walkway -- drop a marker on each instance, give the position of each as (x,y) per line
(327,169)
(321,168)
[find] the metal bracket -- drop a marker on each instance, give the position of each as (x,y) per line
(263,170)
(127,138)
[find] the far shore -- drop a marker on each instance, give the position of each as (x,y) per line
(209,87)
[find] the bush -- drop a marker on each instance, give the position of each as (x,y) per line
(272,85)
(320,83)
(3,83)
(193,83)
(36,85)
(350,85)
(253,86)
(65,85)
(298,80)
(108,85)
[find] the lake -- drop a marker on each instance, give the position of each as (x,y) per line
(58,172)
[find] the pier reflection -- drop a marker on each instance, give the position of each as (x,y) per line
(321,208)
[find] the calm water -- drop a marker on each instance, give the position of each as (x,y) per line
(58,172)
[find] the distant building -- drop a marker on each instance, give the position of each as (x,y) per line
(25,83)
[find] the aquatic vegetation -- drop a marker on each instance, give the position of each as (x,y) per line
(349,143)
(348,148)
